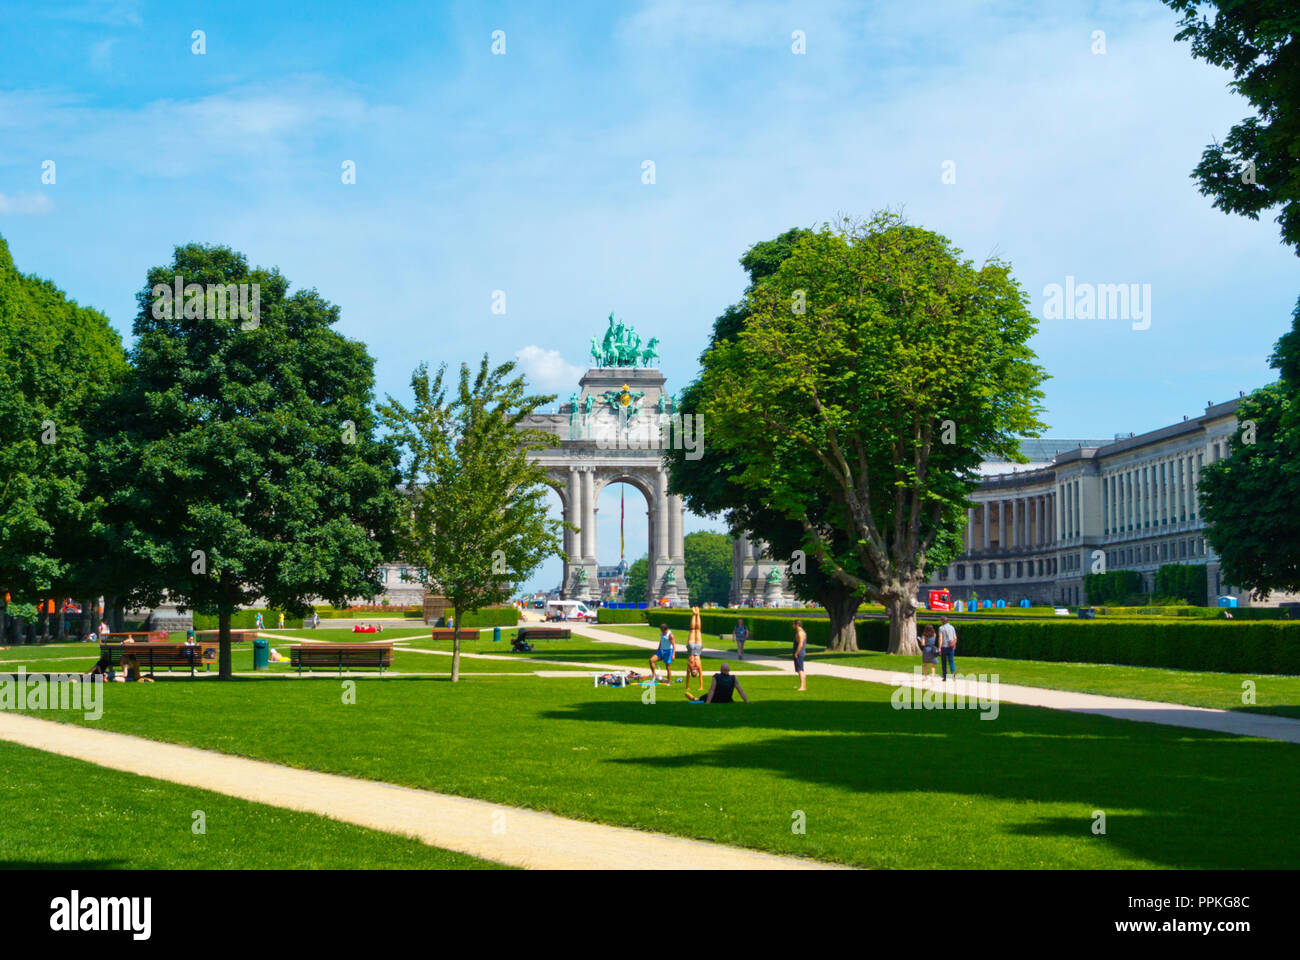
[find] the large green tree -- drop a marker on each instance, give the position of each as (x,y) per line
(1257,166)
(477,520)
(708,566)
(57,361)
(709,484)
(1249,499)
(243,462)
(877,368)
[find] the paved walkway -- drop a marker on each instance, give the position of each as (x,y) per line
(1234,722)
(509,835)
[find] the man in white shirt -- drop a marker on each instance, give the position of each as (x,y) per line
(947,647)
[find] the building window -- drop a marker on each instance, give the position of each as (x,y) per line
(961,571)
(1020,568)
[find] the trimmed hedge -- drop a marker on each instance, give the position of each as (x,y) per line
(1114,585)
(1222,646)
(1183,580)
(607,615)
(490,617)
(1172,643)
(1197,613)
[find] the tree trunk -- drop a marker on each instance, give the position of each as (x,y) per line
(61,624)
(841,605)
(455,645)
(224,667)
(900,604)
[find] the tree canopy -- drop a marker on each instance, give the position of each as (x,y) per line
(477,520)
(242,461)
(877,368)
(1249,498)
(1257,165)
(708,566)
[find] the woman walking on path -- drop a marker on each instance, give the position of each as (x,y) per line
(800,648)
(740,634)
(929,651)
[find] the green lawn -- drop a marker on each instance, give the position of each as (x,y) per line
(879,787)
(1273,694)
(65,813)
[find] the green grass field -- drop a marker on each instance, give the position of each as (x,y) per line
(1273,694)
(879,787)
(61,813)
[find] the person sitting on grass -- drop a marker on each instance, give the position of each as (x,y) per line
(664,654)
(131,671)
(695,651)
(721,689)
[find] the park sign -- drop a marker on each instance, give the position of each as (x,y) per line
(621,347)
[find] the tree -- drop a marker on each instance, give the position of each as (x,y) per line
(243,462)
(57,360)
(708,566)
(477,521)
(635,583)
(1248,499)
(876,370)
(708,482)
(1257,166)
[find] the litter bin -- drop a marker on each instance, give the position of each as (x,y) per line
(496,634)
(261,654)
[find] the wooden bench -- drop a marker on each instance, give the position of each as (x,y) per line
(450,633)
(544,633)
(151,656)
(341,655)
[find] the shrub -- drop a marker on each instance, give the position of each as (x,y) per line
(606,615)
(490,617)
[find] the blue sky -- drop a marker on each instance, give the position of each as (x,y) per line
(522,172)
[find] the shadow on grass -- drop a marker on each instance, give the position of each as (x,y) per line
(1177,797)
(64,865)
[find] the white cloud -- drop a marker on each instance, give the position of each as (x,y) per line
(33,204)
(547,370)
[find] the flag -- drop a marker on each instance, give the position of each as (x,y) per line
(620,521)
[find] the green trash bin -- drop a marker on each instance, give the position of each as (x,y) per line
(261,654)
(496,634)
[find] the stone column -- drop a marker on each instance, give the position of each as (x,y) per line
(984,528)
(676,543)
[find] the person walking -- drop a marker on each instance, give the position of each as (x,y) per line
(929,651)
(259,621)
(740,633)
(664,655)
(947,648)
(800,648)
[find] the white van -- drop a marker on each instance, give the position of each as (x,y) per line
(568,610)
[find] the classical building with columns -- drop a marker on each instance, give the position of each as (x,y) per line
(757,579)
(1130,503)
(612,431)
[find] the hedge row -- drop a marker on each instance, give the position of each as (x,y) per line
(1197,613)
(1222,646)
(607,615)
(1178,644)
(1113,585)
(491,617)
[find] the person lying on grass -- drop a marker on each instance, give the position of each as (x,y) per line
(664,654)
(721,689)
